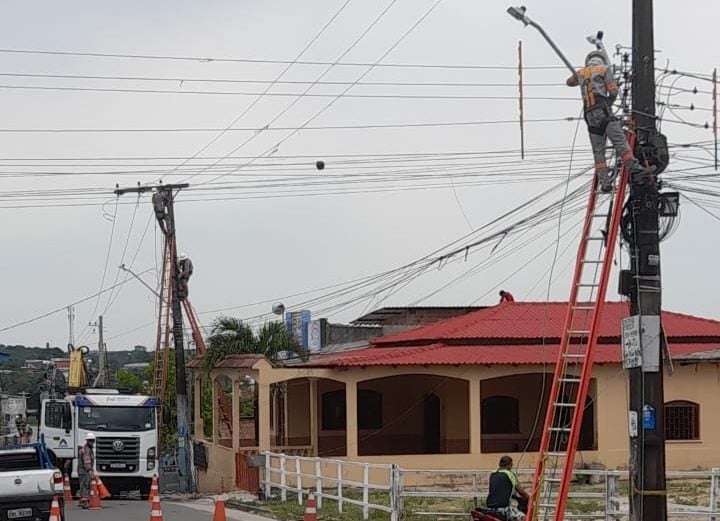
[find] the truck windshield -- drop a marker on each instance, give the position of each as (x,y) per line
(116,418)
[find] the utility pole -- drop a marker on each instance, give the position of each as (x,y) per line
(182,402)
(103,377)
(71,325)
(642,283)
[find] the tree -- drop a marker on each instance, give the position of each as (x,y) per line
(231,336)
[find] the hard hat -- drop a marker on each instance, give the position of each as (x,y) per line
(182,256)
(595,54)
(90,436)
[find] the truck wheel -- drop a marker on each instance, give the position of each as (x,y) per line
(145,488)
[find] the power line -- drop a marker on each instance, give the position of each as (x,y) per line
(267,61)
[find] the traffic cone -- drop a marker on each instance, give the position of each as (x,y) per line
(156,510)
(219,514)
(55,510)
(154,489)
(310,511)
(67,489)
(103,492)
(94,497)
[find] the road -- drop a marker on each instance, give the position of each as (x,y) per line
(129,510)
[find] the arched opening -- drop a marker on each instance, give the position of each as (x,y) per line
(413,414)
(513,413)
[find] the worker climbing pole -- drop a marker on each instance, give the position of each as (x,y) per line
(173,288)
(639,157)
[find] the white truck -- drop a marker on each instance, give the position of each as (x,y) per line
(125,427)
(28,483)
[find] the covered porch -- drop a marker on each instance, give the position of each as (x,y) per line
(420,417)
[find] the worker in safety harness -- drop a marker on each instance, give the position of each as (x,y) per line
(86,468)
(504,486)
(184,271)
(160,201)
(599,92)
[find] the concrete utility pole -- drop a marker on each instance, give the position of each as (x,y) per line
(182,402)
(648,500)
(103,377)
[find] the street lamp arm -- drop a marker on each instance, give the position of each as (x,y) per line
(519,14)
(131,272)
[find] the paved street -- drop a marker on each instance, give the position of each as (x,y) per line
(125,510)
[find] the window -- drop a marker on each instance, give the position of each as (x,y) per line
(682,420)
(370,413)
(333,411)
(369,410)
(500,415)
(54,414)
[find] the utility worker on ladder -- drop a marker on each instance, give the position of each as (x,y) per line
(160,201)
(184,271)
(599,93)
(86,467)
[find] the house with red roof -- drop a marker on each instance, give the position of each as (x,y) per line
(459,392)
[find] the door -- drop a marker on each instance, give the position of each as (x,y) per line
(56,426)
(431,428)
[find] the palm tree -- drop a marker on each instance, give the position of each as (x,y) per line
(231,336)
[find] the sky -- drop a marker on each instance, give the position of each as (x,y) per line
(260,233)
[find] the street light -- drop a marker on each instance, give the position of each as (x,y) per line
(519,14)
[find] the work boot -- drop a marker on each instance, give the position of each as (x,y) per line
(606,178)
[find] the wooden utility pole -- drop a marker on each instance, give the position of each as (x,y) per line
(647,420)
(103,377)
(182,403)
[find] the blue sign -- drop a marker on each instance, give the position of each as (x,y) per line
(648,417)
(297,323)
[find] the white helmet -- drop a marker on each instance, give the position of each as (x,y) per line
(595,58)
(182,256)
(89,436)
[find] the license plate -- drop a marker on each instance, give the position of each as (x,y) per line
(117,465)
(19,513)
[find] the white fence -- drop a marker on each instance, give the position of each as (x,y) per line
(336,480)
(403,493)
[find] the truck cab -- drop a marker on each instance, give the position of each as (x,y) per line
(125,428)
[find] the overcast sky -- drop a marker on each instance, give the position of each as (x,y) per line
(248,250)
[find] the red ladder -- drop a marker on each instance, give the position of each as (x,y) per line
(164,328)
(573,367)
(225,407)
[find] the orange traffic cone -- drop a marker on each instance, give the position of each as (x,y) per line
(156,510)
(55,510)
(154,489)
(94,497)
(310,511)
(103,492)
(219,514)
(67,490)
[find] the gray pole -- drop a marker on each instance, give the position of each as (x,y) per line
(648,499)
(182,403)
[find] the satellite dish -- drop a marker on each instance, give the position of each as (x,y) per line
(278,308)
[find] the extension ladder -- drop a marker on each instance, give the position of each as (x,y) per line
(224,406)
(162,345)
(571,380)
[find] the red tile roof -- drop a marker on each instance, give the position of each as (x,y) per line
(518,322)
(513,333)
(439,354)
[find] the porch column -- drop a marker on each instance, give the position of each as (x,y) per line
(215,412)
(198,430)
(351,429)
(235,414)
(313,416)
(474,416)
(263,413)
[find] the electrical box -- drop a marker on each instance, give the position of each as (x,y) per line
(625,282)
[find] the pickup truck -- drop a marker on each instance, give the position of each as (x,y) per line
(28,483)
